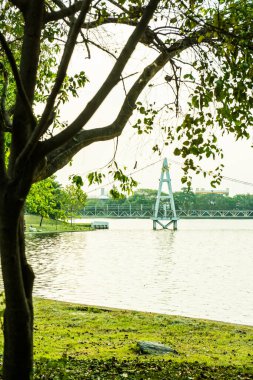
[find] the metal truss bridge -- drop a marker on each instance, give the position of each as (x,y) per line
(147,212)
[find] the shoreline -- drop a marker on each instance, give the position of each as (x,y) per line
(75,341)
(57,231)
(118,309)
(33,226)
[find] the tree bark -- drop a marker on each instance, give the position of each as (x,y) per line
(18,280)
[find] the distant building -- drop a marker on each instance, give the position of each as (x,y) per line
(103,195)
(212,191)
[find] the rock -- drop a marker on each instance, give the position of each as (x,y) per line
(153,348)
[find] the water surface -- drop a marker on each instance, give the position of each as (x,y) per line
(202,270)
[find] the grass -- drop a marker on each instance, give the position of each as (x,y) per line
(81,332)
(50,225)
(81,342)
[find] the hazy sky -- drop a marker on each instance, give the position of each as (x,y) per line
(135,151)
(237,161)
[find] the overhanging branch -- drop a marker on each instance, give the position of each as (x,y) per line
(63,12)
(110,82)
(62,155)
(62,70)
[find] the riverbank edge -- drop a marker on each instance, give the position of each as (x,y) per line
(57,231)
(76,341)
(86,332)
(118,309)
(33,226)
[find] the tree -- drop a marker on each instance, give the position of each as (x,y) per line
(144,197)
(219,41)
(44,199)
(243,201)
(74,199)
(185,200)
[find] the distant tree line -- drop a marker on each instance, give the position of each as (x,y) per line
(50,199)
(184,200)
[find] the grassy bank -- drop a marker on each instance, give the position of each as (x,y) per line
(50,225)
(78,342)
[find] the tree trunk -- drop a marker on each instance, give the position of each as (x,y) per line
(41,220)
(18,280)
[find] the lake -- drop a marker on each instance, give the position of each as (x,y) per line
(204,269)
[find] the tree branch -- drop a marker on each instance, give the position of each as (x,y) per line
(31,46)
(62,70)
(68,12)
(116,4)
(71,10)
(17,78)
(62,155)
(23,125)
(110,82)
(63,12)
(109,20)
(46,116)
(149,37)
(4,114)
(100,48)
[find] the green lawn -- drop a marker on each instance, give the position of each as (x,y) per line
(79,342)
(50,225)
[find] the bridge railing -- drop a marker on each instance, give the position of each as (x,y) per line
(145,211)
(216,213)
(119,211)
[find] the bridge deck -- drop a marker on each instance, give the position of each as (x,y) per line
(145,212)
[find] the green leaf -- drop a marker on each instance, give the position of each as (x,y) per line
(77,180)
(177,152)
(200,39)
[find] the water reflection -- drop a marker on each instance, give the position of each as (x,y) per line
(203,269)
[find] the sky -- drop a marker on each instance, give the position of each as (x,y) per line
(147,171)
(133,151)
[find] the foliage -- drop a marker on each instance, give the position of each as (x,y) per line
(184,200)
(218,80)
(73,199)
(143,196)
(194,201)
(44,199)
(48,198)
(115,194)
(222,76)
(123,183)
(77,180)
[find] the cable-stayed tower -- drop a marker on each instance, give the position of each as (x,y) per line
(165,211)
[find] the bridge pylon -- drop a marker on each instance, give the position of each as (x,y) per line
(170,217)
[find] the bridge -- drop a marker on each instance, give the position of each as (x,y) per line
(147,212)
